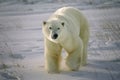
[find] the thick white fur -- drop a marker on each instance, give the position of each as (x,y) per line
(73,37)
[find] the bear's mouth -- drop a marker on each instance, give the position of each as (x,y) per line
(55,36)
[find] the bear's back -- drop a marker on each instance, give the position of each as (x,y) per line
(72,14)
(74,18)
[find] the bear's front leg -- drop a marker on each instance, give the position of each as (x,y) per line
(52,56)
(74,58)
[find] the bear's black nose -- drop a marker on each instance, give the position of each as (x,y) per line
(55,36)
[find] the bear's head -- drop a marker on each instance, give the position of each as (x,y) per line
(52,30)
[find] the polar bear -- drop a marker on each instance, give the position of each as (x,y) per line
(66,29)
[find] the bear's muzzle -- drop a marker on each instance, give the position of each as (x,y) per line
(55,36)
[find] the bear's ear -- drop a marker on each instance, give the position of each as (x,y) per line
(62,23)
(44,22)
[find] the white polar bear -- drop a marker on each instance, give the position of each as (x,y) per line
(67,28)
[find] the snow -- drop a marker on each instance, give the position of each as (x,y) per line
(22,45)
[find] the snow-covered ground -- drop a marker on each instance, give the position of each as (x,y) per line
(21,40)
(14,7)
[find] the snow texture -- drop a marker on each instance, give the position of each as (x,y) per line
(22,45)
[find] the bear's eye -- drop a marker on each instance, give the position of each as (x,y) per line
(58,28)
(50,27)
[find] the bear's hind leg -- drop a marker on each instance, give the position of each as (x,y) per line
(85,38)
(84,60)
(84,35)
